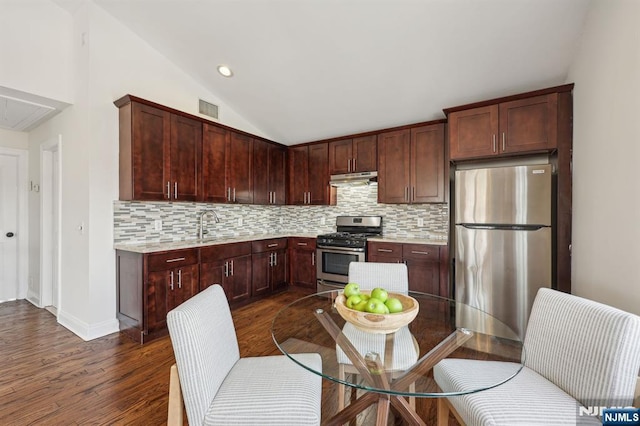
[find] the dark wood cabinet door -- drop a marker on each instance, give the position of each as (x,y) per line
(528,125)
(261,159)
(423,276)
(277,174)
(427,164)
(238,282)
(157,287)
(185,285)
(214,160)
(384,252)
(261,271)
(269,173)
(279,270)
(303,268)
(340,157)
(384,259)
(473,133)
(393,166)
(150,152)
(185,158)
(318,177)
(212,273)
(365,154)
(298,173)
(239,168)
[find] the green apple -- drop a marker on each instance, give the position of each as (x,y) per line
(375,306)
(361,306)
(350,289)
(365,296)
(353,300)
(394,304)
(380,293)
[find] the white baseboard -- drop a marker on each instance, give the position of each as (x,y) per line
(88,331)
(34,298)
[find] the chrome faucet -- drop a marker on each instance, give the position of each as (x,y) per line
(202,231)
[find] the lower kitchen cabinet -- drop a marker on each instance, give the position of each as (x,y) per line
(269,266)
(426,264)
(230,266)
(149,286)
(302,257)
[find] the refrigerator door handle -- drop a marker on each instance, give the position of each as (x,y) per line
(503,227)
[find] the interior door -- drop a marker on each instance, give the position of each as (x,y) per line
(9,286)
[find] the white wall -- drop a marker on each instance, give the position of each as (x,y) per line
(15,140)
(108,61)
(35,47)
(606,156)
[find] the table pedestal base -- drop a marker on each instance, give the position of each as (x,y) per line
(373,372)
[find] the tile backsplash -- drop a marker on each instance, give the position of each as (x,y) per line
(138,222)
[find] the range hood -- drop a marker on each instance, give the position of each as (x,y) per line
(354,179)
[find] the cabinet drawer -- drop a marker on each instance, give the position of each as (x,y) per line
(224,251)
(268,245)
(421,252)
(376,248)
(302,243)
(171,259)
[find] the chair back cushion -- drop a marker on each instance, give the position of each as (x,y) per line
(205,346)
(589,350)
(390,276)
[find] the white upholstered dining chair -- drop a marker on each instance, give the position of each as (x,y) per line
(577,352)
(220,388)
(394,278)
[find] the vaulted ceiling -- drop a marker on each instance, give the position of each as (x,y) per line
(306,70)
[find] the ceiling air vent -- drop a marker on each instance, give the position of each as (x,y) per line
(209,109)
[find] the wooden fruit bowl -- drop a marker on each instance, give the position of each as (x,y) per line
(379,323)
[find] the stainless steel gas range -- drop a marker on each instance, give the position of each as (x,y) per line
(349,244)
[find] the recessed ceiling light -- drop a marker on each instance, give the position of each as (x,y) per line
(225,70)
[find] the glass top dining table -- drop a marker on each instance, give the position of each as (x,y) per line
(392,367)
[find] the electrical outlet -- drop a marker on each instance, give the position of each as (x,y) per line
(281,220)
(323,221)
(240,221)
(158,224)
(420,222)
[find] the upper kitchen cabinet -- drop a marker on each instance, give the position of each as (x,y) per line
(269,172)
(411,165)
(353,155)
(227,159)
(160,153)
(309,175)
(239,168)
(214,163)
(510,127)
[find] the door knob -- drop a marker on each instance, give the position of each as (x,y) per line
(10,234)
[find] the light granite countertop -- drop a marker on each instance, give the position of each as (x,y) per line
(409,240)
(153,247)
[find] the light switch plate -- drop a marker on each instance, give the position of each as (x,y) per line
(420,222)
(157,224)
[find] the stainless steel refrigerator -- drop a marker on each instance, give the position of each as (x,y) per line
(503,242)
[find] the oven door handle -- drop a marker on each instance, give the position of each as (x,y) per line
(332,249)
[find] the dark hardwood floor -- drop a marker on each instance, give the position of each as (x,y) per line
(49,376)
